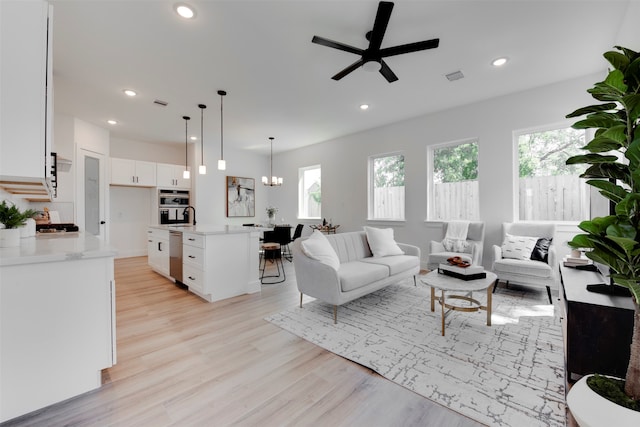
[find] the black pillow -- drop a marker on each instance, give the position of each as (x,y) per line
(541,250)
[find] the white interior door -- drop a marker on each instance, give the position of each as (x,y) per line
(91,209)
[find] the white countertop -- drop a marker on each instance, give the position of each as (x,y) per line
(207,229)
(55,247)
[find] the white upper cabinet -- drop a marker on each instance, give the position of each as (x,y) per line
(170,176)
(133,173)
(25,89)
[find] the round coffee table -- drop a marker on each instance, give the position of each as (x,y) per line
(445,283)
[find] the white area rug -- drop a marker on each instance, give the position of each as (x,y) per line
(509,374)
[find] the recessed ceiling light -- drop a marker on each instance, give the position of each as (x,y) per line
(112,122)
(185,10)
(130,92)
(194,138)
(499,62)
(364,106)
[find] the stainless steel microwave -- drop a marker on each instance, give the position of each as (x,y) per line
(173,198)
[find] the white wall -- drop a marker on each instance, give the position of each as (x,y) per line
(211,189)
(492,122)
(130,214)
(138,150)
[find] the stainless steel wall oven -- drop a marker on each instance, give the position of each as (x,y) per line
(172,206)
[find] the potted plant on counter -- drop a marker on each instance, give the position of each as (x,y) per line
(11,218)
(613,161)
(271,214)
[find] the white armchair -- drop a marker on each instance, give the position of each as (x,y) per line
(475,239)
(516,265)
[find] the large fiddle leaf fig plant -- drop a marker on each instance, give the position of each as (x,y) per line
(613,161)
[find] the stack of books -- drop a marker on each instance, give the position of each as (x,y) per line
(473,272)
(569,261)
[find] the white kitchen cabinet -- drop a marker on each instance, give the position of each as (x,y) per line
(170,176)
(26,82)
(158,250)
(57,321)
(221,265)
(133,173)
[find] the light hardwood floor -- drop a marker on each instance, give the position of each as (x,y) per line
(185,362)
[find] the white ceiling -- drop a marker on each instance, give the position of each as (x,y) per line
(279,83)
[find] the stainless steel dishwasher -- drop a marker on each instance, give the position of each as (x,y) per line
(175,255)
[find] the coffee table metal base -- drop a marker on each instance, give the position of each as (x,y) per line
(475,304)
(444,283)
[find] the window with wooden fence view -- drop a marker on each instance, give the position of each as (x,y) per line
(549,189)
(386,193)
(454,178)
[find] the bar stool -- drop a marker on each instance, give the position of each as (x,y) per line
(273,252)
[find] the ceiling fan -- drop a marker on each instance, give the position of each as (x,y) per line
(371,58)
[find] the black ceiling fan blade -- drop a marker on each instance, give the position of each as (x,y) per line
(349,69)
(387,73)
(409,47)
(380,24)
(336,45)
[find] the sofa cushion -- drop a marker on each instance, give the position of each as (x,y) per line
(318,247)
(350,246)
(526,267)
(518,247)
(381,242)
(396,263)
(356,274)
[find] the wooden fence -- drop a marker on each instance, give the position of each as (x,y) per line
(456,200)
(549,198)
(388,203)
(561,198)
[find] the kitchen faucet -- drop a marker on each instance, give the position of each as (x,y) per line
(186,212)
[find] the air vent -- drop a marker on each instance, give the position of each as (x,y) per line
(159,102)
(456,75)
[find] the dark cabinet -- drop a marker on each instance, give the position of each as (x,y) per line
(597,328)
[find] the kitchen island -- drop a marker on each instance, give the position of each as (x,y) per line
(218,262)
(57,320)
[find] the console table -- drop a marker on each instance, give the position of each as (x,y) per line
(597,328)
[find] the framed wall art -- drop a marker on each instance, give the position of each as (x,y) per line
(241,197)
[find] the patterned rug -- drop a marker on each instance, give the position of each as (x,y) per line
(508,374)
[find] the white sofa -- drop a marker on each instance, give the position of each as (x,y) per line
(359,273)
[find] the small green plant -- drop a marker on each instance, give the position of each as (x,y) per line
(12,217)
(271,211)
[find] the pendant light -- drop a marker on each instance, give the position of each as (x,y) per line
(202,169)
(274,181)
(186,174)
(222,165)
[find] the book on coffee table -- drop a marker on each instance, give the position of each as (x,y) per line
(472,272)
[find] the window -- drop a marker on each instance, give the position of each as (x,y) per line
(453,170)
(386,187)
(309,192)
(548,189)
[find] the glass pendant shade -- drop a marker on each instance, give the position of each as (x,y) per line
(222,165)
(186,174)
(275,181)
(202,170)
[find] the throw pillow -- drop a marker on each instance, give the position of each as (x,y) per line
(381,242)
(541,250)
(318,247)
(518,247)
